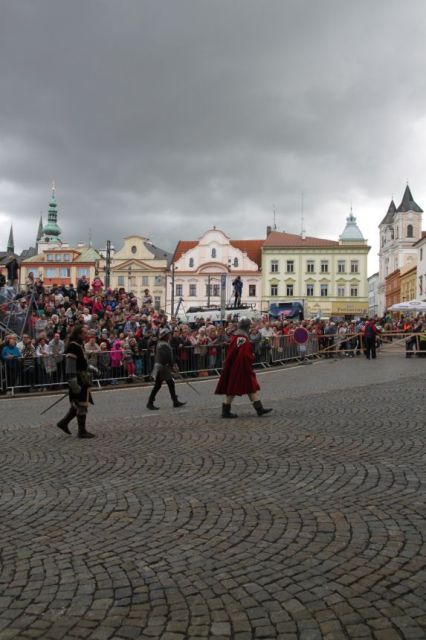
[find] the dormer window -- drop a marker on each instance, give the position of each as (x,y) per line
(191,263)
(235,262)
(213,253)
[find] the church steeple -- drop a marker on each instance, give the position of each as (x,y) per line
(408,203)
(10,242)
(40,229)
(51,230)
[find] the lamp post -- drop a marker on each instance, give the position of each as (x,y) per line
(173,290)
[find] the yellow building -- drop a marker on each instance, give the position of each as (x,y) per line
(328,277)
(408,279)
(140,265)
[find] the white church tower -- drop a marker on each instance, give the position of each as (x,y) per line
(399,230)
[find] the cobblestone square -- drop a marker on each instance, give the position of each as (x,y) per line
(308,523)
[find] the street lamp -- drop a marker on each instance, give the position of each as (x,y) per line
(173,289)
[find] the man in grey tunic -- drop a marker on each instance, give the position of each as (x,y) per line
(162,371)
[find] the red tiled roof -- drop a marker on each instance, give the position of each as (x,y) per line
(420,239)
(252,247)
(280,239)
(182,247)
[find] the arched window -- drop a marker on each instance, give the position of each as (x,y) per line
(410,231)
(191,262)
(235,262)
(213,253)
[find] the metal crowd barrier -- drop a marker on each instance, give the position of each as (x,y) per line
(48,372)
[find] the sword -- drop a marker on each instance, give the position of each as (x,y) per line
(189,384)
(56,402)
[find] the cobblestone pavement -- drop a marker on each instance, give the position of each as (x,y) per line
(308,523)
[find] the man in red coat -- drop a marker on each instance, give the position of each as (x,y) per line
(238,377)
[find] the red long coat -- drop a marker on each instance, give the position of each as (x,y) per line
(238,377)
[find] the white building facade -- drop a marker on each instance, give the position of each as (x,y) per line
(421,267)
(373,295)
(400,229)
(199,266)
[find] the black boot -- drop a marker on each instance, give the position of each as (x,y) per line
(150,405)
(63,424)
(260,410)
(82,433)
(172,389)
(226,411)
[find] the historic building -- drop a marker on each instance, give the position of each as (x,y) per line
(408,282)
(373,295)
(200,266)
(400,229)
(140,265)
(392,288)
(55,261)
(420,246)
(329,277)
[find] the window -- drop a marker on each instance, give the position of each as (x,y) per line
(192,289)
(50,257)
(145,281)
(341,266)
(213,253)
(157,302)
(64,272)
(310,266)
(274,290)
(133,249)
(216,290)
(82,271)
(421,253)
(421,284)
(120,281)
(252,290)
(341,291)
(410,231)
(235,262)
(51,272)
(290,266)
(67,257)
(324,290)
(289,289)
(58,257)
(324,266)
(179,290)
(309,290)
(191,263)
(274,266)
(354,291)
(158,280)
(354,266)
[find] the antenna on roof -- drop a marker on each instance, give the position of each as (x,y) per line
(274,226)
(90,237)
(302,217)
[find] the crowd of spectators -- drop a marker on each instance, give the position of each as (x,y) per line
(123,333)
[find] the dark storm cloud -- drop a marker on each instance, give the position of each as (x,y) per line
(166,117)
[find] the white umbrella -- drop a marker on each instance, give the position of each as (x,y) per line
(409,305)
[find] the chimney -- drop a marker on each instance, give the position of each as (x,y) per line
(268,230)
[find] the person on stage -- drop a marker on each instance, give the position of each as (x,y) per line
(79,382)
(237,377)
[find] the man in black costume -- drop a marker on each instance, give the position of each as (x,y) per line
(79,382)
(162,371)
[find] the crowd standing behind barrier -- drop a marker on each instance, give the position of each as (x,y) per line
(123,333)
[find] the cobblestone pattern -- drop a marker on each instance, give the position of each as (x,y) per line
(306,524)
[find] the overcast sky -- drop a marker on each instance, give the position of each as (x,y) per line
(166,117)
